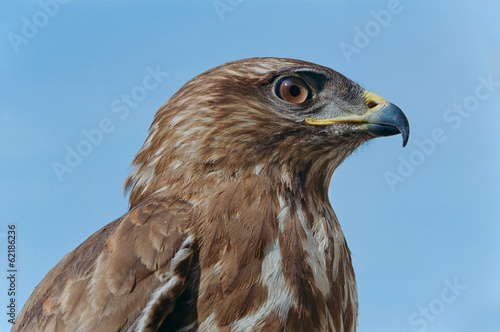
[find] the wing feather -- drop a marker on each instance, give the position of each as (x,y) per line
(127,275)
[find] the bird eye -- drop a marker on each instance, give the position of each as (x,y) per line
(293,90)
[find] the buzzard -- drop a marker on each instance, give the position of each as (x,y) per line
(230,227)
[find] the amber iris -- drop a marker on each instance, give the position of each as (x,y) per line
(293,90)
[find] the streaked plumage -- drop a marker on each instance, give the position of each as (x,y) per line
(230,227)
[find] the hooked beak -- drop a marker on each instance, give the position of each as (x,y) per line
(381,118)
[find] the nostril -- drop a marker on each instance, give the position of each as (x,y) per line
(371,104)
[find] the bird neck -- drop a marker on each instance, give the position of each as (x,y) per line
(285,241)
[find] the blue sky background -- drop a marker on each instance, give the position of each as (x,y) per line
(437,226)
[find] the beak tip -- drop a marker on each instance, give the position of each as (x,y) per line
(406,135)
(405,141)
(388,121)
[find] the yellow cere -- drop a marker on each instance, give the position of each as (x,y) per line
(372,98)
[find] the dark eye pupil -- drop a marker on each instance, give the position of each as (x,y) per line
(294,90)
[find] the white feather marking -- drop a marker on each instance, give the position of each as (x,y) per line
(175,164)
(160,150)
(191,132)
(155,296)
(260,70)
(232,72)
(187,328)
(279,296)
(93,284)
(182,253)
(258,168)
(283,213)
(133,173)
(171,281)
(315,255)
(176,120)
(217,268)
(154,161)
(208,325)
(144,177)
(320,234)
(164,188)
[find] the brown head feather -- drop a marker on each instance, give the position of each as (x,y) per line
(226,121)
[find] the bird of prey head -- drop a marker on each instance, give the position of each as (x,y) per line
(230,227)
(294,120)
